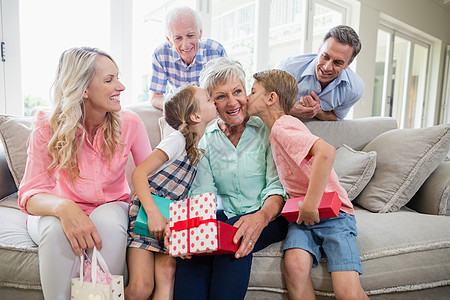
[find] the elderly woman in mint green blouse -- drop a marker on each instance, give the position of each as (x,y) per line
(238,168)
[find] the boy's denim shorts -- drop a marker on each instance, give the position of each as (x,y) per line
(336,237)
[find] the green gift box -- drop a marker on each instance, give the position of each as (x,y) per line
(140,226)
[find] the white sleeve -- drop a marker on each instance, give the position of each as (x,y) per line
(173,145)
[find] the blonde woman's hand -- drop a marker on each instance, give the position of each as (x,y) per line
(78,228)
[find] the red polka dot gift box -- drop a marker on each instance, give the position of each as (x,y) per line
(195,229)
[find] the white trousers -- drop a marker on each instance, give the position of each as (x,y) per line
(58,264)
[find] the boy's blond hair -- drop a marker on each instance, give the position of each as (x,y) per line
(282,83)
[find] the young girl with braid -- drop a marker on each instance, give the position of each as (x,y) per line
(167,172)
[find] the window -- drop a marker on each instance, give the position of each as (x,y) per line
(326,16)
(287,29)
(44,35)
(130,31)
(2,64)
(291,28)
(291,22)
(147,34)
(445,109)
(234,28)
(400,77)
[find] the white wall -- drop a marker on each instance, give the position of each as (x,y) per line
(430,20)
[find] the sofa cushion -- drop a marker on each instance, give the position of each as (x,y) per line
(354,169)
(355,133)
(433,197)
(400,252)
(19,266)
(14,133)
(8,185)
(405,159)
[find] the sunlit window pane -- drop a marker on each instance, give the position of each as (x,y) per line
(287,29)
(381,69)
(414,107)
(400,65)
(148,33)
(234,28)
(47,28)
(325,18)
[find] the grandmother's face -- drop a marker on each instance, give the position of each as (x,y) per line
(231,102)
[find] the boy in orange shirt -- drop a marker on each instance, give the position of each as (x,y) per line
(305,167)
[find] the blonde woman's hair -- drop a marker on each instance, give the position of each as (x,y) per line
(178,108)
(282,83)
(74,74)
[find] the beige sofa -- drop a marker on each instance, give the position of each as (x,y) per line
(405,250)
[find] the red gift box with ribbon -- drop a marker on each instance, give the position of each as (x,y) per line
(329,207)
(195,229)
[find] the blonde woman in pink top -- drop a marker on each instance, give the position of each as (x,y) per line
(305,167)
(74,186)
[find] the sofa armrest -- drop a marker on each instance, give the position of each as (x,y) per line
(7,185)
(433,197)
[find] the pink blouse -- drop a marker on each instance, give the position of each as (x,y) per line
(100,182)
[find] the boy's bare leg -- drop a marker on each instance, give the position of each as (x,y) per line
(297,268)
(346,285)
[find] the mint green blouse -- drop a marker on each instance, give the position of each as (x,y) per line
(241,177)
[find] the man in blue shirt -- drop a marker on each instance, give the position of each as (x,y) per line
(327,87)
(180,59)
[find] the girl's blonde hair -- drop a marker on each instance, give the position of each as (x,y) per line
(74,74)
(177,111)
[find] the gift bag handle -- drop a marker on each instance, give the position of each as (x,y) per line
(96,257)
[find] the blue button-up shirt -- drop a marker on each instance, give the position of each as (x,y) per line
(339,96)
(169,67)
(242,177)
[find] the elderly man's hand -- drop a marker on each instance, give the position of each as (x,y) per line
(249,229)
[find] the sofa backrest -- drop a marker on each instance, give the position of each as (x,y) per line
(355,133)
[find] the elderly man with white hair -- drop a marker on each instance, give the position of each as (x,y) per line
(180,60)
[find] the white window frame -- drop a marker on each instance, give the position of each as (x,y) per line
(429,115)
(445,101)
(122,44)
(2,65)
(11,101)
(387,84)
(337,6)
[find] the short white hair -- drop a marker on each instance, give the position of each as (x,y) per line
(175,13)
(219,71)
